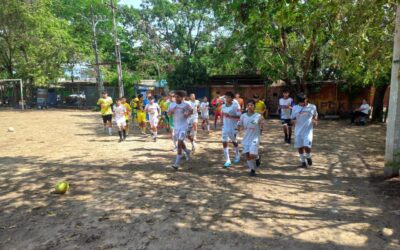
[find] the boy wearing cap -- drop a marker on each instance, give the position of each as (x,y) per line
(304,117)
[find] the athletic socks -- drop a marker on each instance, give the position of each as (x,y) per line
(237,152)
(302,158)
(178,160)
(120,135)
(251,164)
(208,127)
(124,133)
(226,154)
(110,131)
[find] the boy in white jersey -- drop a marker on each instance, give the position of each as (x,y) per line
(154,112)
(252,124)
(193,120)
(304,117)
(205,114)
(285,111)
(181,111)
(231,115)
(119,115)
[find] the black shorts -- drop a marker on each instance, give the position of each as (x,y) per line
(107,118)
(286,121)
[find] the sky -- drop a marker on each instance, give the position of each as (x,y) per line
(134,3)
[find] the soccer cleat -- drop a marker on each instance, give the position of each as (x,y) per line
(237,159)
(258,161)
(120,140)
(309,161)
(303,165)
(175,166)
(227,164)
(252,172)
(154,139)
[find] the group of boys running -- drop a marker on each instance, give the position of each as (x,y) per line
(179,114)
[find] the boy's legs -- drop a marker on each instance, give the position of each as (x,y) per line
(109,124)
(307,154)
(302,157)
(251,163)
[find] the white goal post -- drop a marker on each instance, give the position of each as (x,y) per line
(21,87)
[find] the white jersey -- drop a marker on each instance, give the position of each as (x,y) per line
(119,112)
(251,126)
(195,105)
(284,104)
(230,123)
(303,117)
(152,109)
(205,109)
(180,114)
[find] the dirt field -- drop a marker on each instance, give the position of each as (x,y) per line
(126,195)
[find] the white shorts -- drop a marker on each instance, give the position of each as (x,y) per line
(251,148)
(302,141)
(229,135)
(121,122)
(153,122)
(180,134)
(205,116)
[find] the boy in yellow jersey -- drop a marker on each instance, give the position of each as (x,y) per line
(163,103)
(127,114)
(105,103)
(260,107)
(134,109)
(141,114)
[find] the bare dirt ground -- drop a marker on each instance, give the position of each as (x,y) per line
(126,196)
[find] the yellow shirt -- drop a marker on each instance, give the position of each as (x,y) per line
(134,104)
(163,105)
(105,105)
(260,107)
(128,110)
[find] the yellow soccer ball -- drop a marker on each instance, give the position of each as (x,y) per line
(61,187)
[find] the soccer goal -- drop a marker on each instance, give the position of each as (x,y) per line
(11,93)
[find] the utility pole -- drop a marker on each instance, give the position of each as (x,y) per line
(117,52)
(392,153)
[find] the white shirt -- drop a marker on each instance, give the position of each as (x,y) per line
(119,112)
(180,114)
(251,126)
(204,108)
(284,107)
(152,109)
(365,108)
(230,123)
(303,116)
(195,105)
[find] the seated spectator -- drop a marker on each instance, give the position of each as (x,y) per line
(361,112)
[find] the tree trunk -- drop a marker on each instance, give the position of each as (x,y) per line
(377,114)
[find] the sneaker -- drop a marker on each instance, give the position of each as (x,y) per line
(187,154)
(309,161)
(252,172)
(175,166)
(227,164)
(120,140)
(236,160)
(303,165)
(258,161)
